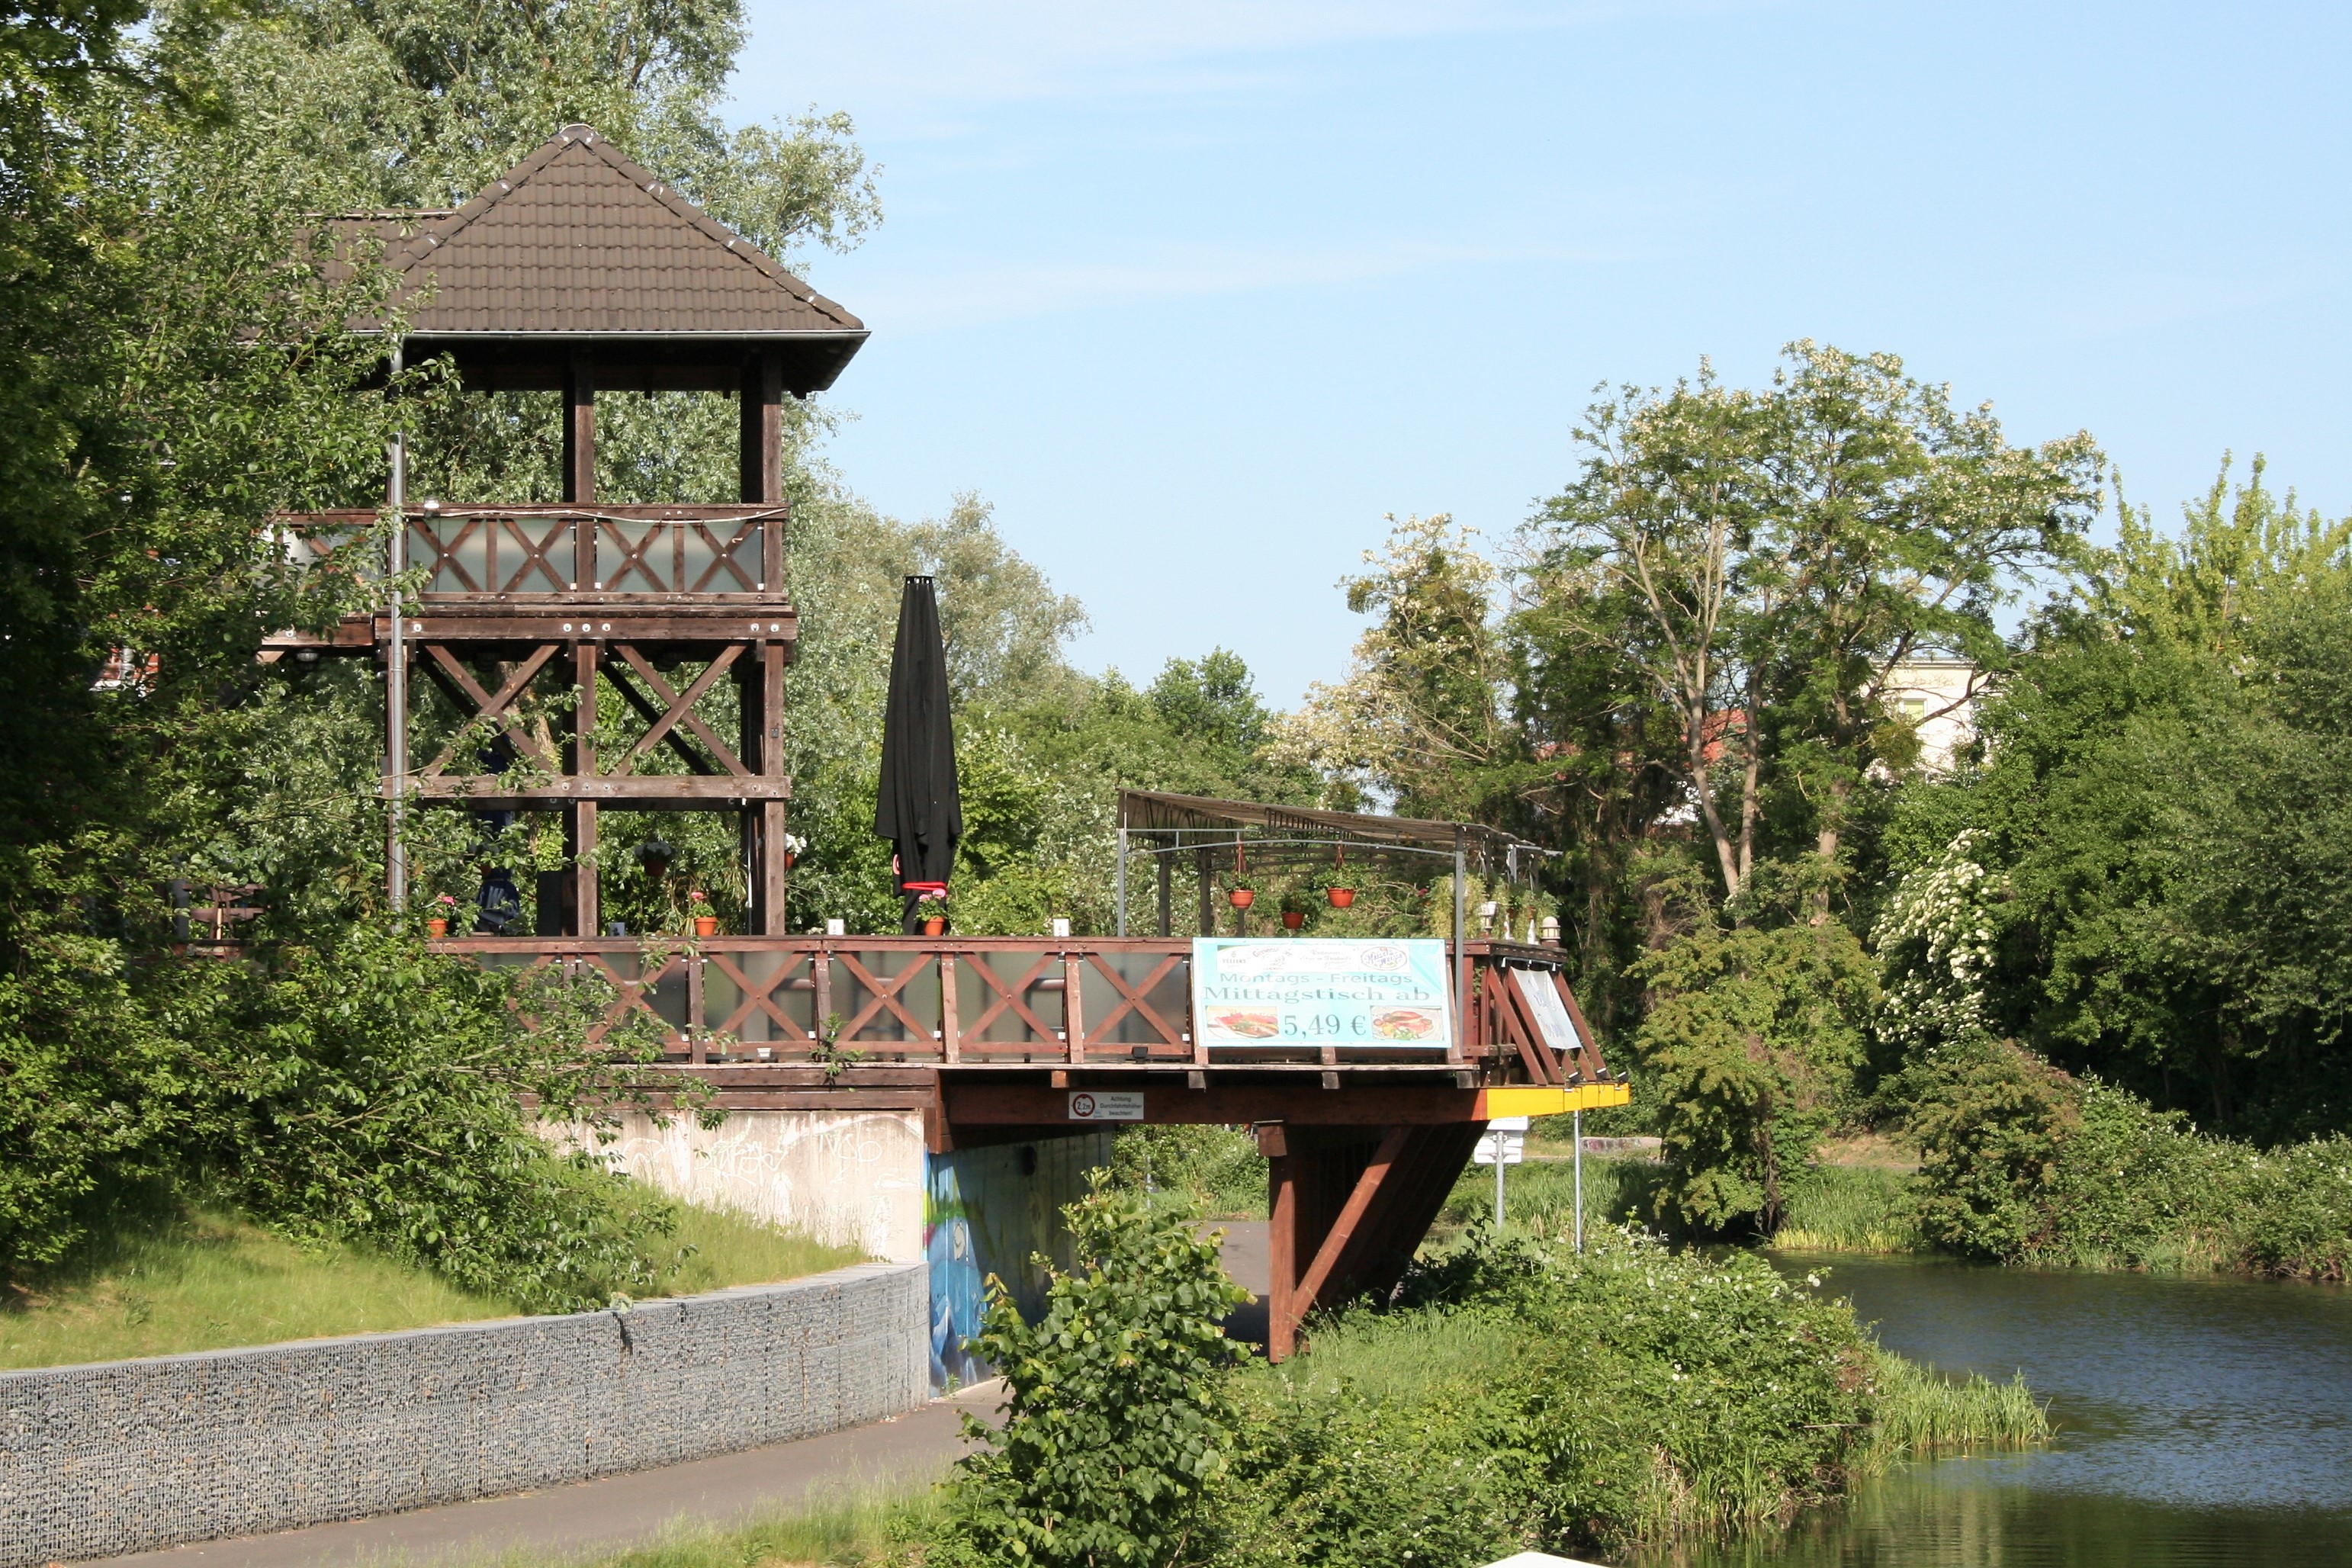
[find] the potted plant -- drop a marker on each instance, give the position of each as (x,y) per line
(794,845)
(705,923)
(436,924)
(1337,886)
(933,911)
(1294,911)
(1241,895)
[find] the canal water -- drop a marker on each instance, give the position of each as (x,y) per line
(2203,1423)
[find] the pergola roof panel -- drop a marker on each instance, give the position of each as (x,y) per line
(1150,811)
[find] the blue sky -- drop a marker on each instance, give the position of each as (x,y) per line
(1195,291)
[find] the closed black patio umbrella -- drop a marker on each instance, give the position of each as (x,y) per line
(919,809)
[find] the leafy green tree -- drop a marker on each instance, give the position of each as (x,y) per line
(1421,718)
(2161,794)
(1750,1043)
(1117,1421)
(1897,525)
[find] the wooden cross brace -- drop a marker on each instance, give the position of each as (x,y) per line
(459,683)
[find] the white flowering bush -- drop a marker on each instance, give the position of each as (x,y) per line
(1935,945)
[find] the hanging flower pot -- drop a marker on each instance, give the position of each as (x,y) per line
(1293,918)
(1340,897)
(1242,897)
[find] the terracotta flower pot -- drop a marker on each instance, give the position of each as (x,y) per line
(934,925)
(436,927)
(1340,897)
(1293,918)
(705,925)
(1242,897)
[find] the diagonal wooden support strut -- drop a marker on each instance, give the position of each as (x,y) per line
(1347,1215)
(460,681)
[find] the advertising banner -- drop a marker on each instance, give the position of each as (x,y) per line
(1311,991)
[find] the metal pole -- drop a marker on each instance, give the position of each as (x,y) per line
(1122,912)
(1501,1141)
(1577,1123)
(395,679)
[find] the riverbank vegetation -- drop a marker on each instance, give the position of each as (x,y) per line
(1516,1397)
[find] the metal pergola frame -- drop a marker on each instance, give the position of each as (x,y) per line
(1199,825)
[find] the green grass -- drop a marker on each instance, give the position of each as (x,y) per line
(854,1530)
(1851,1208)
(210,1280)
(1920,1411)
(1540,1197)
(728,1249)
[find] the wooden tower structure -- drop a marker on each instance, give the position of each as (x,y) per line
(578,272)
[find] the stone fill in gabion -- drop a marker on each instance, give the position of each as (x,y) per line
(121,1457)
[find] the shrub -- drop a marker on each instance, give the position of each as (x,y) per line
(1988,1119)
(1120,1416)
(2021,1163)
(1525,1397)
(1216,1171)
(1752,1040)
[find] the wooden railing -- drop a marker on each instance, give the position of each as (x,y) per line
(978,1001)
(714,553)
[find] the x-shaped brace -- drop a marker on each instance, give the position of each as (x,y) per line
(680,710)
(972,1032)
(462,688)
(1133,1001)
(886,995)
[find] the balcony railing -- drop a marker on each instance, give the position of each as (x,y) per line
(563,550)
(978,1001)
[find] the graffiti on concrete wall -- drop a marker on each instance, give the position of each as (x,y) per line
(995,1211)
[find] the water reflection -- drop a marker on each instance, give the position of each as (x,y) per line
(2203,1423)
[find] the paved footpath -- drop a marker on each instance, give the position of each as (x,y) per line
(618,1511)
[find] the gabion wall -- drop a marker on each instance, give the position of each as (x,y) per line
(123,1457)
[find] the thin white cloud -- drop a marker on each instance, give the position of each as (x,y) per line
(2143,301)
(997,294)
(936,54)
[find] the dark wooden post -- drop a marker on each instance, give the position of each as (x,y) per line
(774,881)
(1281,1241)
(579,432)
(761,442)
(760,465)
(1167,872)
(580,487)
(580,817)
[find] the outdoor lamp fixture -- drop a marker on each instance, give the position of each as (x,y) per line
(432,503)
(1486,918)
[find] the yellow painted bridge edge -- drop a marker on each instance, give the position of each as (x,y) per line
(1526,1100)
